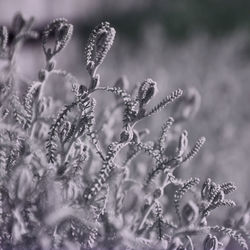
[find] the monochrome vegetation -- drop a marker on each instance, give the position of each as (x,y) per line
(72,178)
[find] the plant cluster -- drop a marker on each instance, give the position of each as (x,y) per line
(72,179)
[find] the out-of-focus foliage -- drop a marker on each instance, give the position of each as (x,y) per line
(75,178)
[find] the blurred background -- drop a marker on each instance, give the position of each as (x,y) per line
(180,44)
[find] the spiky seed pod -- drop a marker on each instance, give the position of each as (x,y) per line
(61,31)
(180,193)
(233,234)
(190,212)
(51,141)
(3,37)
(99,43)
(170,98)
(228,203)
(165,128)
(103,175)
(30,96)
(147,90)
(228,187)
(159,223)
(210,243)
(195,150)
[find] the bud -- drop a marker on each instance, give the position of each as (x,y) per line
(146,91)
(60,31)
(157,193)
(190,212)
(99,43)
(42,74)
(3,37)
(210,243)
(126,135)
(50,65)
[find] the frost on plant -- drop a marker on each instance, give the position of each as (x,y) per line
(69,177)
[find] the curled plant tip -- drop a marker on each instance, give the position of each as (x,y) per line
(3,37)
(99,43)
(61,31)
(195,150)
(170,98)
(210,243)
(146,91)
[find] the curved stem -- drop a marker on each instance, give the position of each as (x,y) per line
(144,218)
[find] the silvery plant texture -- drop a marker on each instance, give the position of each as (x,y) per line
(74,178)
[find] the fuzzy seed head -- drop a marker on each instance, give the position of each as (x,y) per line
(99,43)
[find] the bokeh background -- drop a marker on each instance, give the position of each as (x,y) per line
(180,44)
